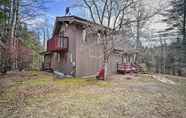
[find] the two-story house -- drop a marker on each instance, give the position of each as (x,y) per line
(75,47)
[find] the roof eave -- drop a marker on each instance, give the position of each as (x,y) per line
(78,20)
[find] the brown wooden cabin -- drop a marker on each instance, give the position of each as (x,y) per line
(75,47)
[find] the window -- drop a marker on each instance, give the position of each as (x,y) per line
(63,40)
(61,35)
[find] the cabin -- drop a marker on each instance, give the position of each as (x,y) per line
(76,47)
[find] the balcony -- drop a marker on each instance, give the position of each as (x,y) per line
(58,44)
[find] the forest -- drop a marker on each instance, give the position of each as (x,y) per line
(20,46)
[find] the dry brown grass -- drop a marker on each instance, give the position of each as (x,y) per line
(40,95)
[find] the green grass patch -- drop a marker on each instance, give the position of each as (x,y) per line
(37,82)
(35,100)
(35,73)
(38,79)
(74,82)
(34,87)
(79,82)
(104,84)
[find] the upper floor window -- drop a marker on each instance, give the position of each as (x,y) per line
(64,41)
(61,34)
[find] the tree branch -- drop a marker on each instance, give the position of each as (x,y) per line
(90,9)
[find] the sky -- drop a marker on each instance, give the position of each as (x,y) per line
(54,8)
(57,8)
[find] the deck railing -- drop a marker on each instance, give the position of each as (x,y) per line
(58,43)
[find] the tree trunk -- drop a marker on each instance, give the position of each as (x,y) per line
(106,70)
(13,21)
(44,37)
(138,34)
(105,43)
(138,46)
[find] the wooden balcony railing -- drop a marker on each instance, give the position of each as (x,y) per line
(58,43)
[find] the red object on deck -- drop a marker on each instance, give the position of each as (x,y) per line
(100,74)
(126,68)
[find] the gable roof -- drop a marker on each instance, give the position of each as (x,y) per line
(75,20)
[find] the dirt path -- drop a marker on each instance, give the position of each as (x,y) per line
(40,95)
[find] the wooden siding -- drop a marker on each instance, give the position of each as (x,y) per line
(85,54)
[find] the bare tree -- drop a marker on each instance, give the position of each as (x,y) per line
(111,14)
(141,14)
(107,12)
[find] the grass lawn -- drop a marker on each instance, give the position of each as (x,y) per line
(41,95)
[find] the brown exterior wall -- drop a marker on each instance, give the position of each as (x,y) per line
(70,56)
(64,61)
(86,56)
(89,56)
(83,57)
